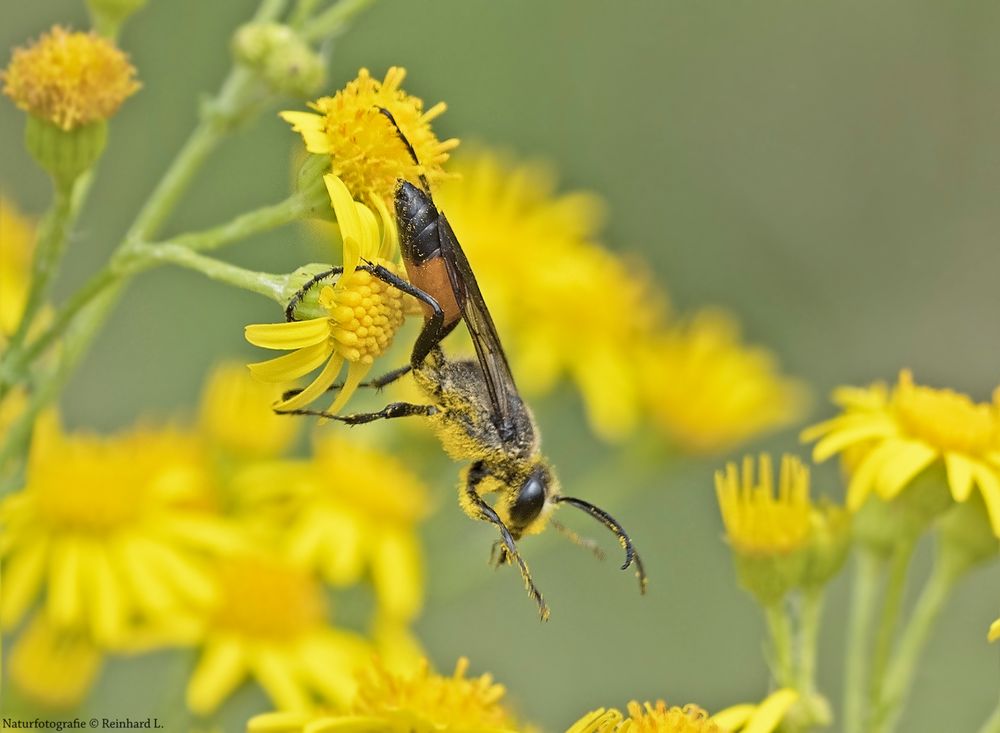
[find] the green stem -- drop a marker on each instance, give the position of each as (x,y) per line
(903,665)
(992,724)
(780,628)
(333,19)
(866,580)
(812,611)
(271,286)
(892,602)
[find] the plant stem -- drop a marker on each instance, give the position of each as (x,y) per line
(903,665)
(780,628)
(992,724)
(333,19)
(866,579)
(809,624)
(892,602)
(271,286)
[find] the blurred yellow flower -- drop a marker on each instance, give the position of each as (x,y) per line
(112,528)
(237,414)
(362,316)
(994,633)
(69,79)
(365,150)
(270,624)
(417,702)
(54,668)
(709,392)
(660,718)
(564,305)
(757,520)
(899,434)
(17,243)
(352,510)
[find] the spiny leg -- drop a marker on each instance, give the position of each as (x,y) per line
(390,411)
(486,513)
(584,542)
(377,384)
(294,301)
(631,556)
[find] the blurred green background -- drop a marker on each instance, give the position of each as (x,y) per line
(830,172)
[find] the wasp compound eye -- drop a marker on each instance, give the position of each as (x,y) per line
(529,502)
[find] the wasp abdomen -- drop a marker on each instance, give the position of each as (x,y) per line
(418,224)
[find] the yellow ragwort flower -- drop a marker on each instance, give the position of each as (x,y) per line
(363,314)
(270,624)
(564,305)
(237,414)
(69,79)
(897,434)
(757,520)
(709,392)
(660,718)
(17,243)
(352,512)
(365,150)
(416,702)
(113,530)
(54,668)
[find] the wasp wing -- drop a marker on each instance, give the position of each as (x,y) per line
(505,399)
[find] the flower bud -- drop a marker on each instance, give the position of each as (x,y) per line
(307,304)
(65,154)
(280,57)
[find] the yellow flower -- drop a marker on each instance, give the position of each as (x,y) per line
(363,314)
(365,150)
(112,528)
(17,242)
(354,511)
(660,718)
(54,668)
(69,79)
(758,521)
(897,435)
(270,624)
(994,630)
(708,392)
(236,414)
(418,702)
(564,305)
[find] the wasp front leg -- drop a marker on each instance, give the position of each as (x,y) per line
(390,411)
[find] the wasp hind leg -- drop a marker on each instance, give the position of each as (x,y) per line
(390,411)
(378,384)
(506,549)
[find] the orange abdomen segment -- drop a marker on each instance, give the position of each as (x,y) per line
(432,278)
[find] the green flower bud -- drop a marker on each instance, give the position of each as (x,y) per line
(882,525)
(65,154)
(769,577)
(279,56)
(829,541)
(966,534)
(307,303)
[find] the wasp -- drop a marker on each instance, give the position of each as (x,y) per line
(474,405)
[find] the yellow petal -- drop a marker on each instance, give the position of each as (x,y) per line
(278,722)
(187,579)
(989,487)
(291,366)
(771,712)
(65,602)
(356,371)
(351,231)
(906,460)
(151,594)
(838,440)
(994,630)
(279,678)
(22,576)
(291,335)
(317,387)
(369,227)
(108,605)
(397,574)
(219,671)
(733,718)
(864,475)
(310,126)
(959,475)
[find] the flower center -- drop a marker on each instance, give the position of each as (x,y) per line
(365,314)
(947,420)
(262,598)
(659,718)
(89,487)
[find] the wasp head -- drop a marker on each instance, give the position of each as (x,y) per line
(526,510)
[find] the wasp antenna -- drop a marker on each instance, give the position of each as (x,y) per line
(409,147)
(631,556)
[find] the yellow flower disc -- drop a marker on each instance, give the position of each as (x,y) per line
(70,79)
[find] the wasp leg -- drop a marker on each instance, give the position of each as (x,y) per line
(584,542)
(294,301)
(434,329)
(485,512)
(378,383)
(390,411)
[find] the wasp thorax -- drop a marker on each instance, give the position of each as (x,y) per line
(365,314)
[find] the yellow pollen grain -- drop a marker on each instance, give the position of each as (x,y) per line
(264,599)
(945,419)
(69,79)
